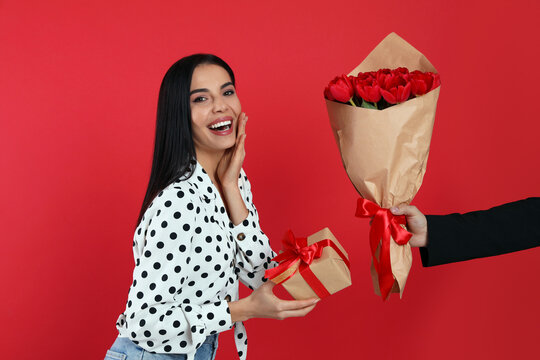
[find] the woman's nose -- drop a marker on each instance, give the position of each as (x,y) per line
(219,105)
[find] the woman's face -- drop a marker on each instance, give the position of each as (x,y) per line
(214,108)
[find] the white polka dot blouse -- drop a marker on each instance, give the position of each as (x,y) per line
(188,260)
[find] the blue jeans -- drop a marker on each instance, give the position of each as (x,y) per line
(124,349)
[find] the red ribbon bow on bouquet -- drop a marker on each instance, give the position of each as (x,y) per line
(297,250)
(384,225)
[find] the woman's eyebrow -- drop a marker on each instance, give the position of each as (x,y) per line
(206,90)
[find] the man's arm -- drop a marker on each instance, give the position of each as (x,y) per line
(458,237)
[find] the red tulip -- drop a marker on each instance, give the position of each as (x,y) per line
(381,76)
(395,88)
(436,81)
(367,76)
(422,83)
(401,70)
(328,94)
(372,74)
(341,89)
(367,89)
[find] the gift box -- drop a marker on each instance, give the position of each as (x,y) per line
(312,267)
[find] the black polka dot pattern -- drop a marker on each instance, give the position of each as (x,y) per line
(188,263)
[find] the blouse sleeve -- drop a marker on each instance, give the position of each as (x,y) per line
(254,254)
(156,320)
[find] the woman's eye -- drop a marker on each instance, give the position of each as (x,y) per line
(229,92)
(199,99)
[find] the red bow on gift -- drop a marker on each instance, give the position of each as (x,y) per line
(384,225)
(297,250)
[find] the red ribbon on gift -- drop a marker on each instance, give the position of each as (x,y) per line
(297,250)
(384,225)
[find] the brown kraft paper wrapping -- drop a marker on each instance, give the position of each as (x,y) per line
(330,269)
(385,152)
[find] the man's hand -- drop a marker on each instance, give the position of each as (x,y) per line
(416,223)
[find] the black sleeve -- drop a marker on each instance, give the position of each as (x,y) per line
(502,229)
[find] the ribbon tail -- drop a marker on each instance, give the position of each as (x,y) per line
(384,227)
(399,234)
(386,278)
(375,235)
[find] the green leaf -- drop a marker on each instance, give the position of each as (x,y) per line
(368,105)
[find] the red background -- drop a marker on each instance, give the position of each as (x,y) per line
(79,84)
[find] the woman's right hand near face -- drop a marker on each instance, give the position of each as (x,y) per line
(262,303)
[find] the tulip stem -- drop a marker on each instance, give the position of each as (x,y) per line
(352,102)
(375,104)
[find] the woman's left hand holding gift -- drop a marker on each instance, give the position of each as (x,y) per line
(262,303)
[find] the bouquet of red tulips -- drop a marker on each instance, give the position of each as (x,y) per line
(381,89)
(382,121)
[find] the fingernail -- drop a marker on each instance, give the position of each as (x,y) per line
(394,209)
(316,301)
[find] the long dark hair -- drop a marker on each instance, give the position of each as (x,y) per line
(174,149)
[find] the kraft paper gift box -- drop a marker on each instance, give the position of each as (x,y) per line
(316,266)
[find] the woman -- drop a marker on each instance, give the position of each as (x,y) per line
(198,231)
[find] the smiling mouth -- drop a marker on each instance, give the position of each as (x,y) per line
(221,126)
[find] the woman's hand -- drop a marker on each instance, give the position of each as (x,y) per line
(228,171)
(262,303)
(416,223)
(229,167)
